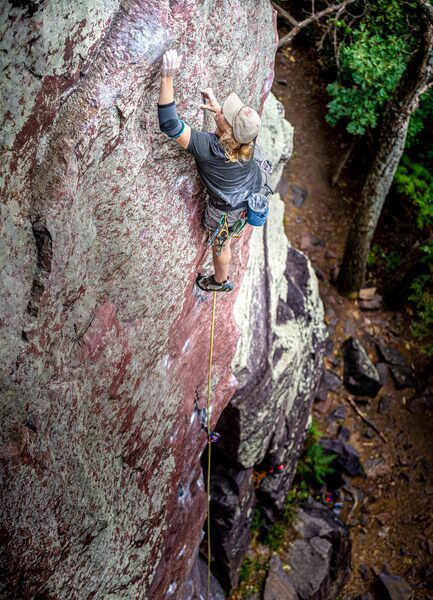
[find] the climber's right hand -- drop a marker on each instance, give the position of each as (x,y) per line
(171,62)
(213,104)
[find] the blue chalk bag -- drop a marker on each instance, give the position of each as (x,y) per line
(258,210)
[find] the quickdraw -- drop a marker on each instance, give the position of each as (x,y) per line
(213,436)
(223,232)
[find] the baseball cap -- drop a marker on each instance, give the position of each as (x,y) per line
(244,120)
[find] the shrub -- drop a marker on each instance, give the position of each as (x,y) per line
(422,298)
(415,183)
(314,465)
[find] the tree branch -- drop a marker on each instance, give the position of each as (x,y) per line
(287,39)
(285,15)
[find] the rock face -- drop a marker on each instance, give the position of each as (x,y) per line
(104,341)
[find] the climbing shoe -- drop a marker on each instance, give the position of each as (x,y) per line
(208,284)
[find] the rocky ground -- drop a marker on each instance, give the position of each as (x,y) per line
(389,508)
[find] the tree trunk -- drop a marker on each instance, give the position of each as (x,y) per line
(416,79)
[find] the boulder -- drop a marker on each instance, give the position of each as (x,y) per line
(384,404)
(338,414)
(393,587)
(374,303)
(320,560)
(279,372)
(299,196)
(421,403)
(367,293)
(195,587)
(391,356)
(346,457)
(278,585)
(329,382)
(310,564)
(402,373)
(403,377)
(344,433)
(376,467)
(360,375)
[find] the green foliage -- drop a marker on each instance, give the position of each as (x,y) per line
(371,65)
(275,535)
(422,298)
(246,569)
(258,521)
(391,15)
(296,497)
(381,260)
(415,183)
(372,44)
(372,57)
(314,465)
(252,575)
(420,133)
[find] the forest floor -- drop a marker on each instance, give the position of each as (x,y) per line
(392,524)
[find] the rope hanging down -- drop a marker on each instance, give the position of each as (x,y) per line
(209,444)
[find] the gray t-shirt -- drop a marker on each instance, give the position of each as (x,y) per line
(228,183)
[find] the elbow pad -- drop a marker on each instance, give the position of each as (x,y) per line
(169,122)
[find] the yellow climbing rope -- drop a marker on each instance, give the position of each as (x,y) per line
(209,444)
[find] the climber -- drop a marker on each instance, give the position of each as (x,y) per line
(224,160)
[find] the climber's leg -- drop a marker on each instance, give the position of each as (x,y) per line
(219,281)
(221,262)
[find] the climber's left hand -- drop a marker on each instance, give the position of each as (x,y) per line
(171,62)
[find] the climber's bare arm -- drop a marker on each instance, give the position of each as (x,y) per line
(170,124)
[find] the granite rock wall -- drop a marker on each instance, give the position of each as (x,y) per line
(103,336)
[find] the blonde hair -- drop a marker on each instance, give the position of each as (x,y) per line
(233,150)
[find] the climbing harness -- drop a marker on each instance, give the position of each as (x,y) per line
(256,213)
(223,232)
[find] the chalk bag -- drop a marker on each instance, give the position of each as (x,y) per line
(258,210)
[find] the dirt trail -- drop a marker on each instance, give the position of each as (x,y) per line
(393,523)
